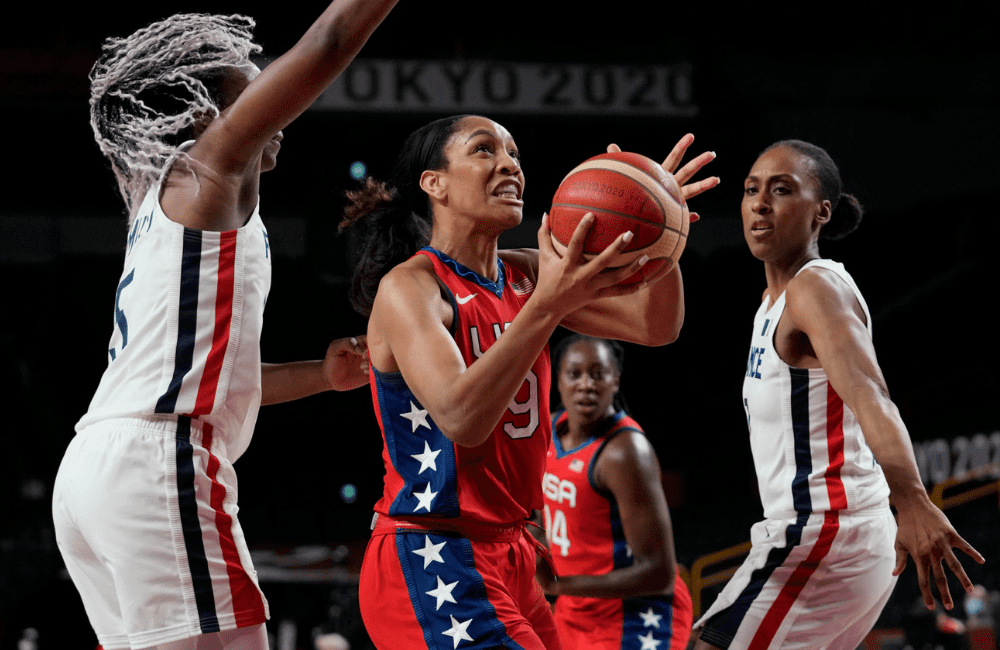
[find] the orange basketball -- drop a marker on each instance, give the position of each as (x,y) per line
(625,191)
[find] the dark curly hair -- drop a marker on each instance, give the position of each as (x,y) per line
(393,219)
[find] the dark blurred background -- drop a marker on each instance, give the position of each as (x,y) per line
(907,102)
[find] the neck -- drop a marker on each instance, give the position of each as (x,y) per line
(579,432)
(780,272)
(474,250)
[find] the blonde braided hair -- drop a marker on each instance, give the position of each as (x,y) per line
(148,89)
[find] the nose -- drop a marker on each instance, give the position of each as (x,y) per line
(279,136)
(760,204)
(509,164)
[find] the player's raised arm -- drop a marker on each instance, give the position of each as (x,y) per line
(290,84)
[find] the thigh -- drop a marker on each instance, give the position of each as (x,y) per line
(90,574)
(805,586)
(246,638)
(848,597)
(424,589)
(157,514)
(578,633)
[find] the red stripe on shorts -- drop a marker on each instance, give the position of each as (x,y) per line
(248,606)
(772,621)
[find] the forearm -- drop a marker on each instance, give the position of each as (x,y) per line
(493,380)
(641,579)
(889,441)
(284,382)
(653,316)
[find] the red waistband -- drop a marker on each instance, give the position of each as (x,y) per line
(385,525)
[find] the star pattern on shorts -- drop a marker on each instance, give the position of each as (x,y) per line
(417,417)
(443,592)
(650,618)
(648,642)
(427,458)
(424,498)
(430,552)
(457,631)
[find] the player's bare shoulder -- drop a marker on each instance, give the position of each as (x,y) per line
(628,454)
(818,291)
(524,260)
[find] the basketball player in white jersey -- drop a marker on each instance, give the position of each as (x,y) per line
(145,500)
(828,444)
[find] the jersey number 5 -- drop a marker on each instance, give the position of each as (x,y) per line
(120,319)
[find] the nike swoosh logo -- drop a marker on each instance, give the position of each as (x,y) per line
(460,300)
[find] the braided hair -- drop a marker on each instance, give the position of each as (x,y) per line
(393,219)
(845,209)
(149,89)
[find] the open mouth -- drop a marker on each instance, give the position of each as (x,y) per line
(510,191)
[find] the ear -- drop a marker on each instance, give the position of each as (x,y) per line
(434,184)
(825,212)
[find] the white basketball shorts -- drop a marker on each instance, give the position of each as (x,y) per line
(145,519)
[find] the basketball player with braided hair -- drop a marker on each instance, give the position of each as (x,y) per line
(828,443)
(145,499)
(606,517)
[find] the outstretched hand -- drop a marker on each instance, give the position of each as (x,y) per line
(926,535)
(345,365)
(685,173)
(570,281)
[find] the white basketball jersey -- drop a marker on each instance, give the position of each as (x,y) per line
(808,448)
(187,323)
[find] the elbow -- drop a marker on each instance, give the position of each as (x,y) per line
(663,331)
(657,577)
(461,432)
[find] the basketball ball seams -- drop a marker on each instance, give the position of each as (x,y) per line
(624,191)
(655,191)
(585,209)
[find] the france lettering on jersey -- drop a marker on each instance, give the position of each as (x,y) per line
(188,314)
(586,537)
(499,481)
(808,449)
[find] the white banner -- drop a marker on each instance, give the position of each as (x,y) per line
(494,87)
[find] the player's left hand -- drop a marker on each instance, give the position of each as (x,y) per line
(925,534)
(684,174)
(545,577)
(345,365)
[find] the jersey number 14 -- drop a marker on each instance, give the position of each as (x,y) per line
(555,530)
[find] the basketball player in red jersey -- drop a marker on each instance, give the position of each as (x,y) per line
(457,342)
(606,517)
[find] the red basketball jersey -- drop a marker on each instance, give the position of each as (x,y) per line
(586,537)
(499,481)
(582,524)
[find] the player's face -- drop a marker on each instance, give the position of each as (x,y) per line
(234,82)
(484,179)
(588,381)
(782,209)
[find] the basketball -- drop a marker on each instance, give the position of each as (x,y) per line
(625,191)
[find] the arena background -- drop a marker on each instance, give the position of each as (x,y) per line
(907,103)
